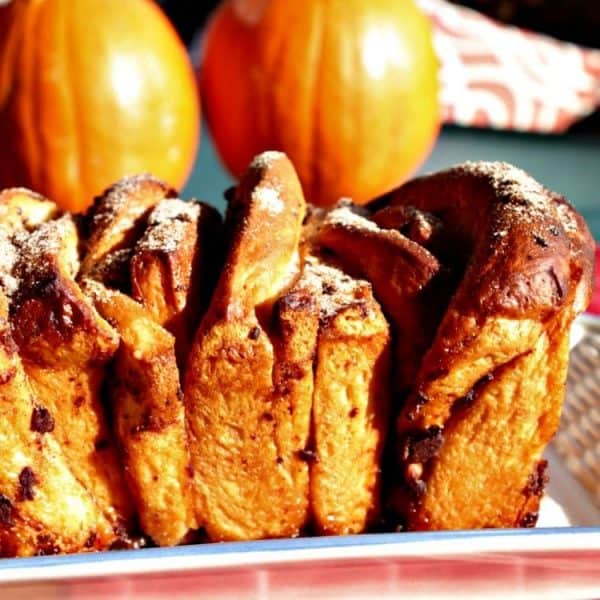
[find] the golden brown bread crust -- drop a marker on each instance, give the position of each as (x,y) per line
(64,345)
(350,400)
(174,266)
(115,220)
(479,270)
(23,209)
(403,275)
(20,211)
(43,508)
(273,366)
(489,389)
(247,478)
(148,417)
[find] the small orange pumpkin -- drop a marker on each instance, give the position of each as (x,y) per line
(92,90)
(347,88)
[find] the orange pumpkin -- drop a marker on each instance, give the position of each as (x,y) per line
(347,88)
(92,90)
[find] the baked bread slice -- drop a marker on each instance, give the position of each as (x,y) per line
(287,386)
(247,479)
(350,401)
(174,266)
(44,509)
(489,390)
(403,273)
(64,345)
(22,209)
(148,417)
(115,221)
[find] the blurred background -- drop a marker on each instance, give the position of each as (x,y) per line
(571,20)
(567,160)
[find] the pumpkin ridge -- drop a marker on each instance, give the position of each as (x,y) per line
(72,86)
(312,164)
(30,80)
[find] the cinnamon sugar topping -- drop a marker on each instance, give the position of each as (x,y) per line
(167,225)
(38,249)
(334,289)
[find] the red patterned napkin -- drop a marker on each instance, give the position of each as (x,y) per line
(503,77)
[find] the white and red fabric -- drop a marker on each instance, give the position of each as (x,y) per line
(497,76)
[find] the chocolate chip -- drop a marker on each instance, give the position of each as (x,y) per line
(41,420)
(328,289)
(537,480)
(279,460)
(529,520)
(267,416)
(46,545)
(127,542)
(294,301)
(353,413)
(421,446)
(288,372)
(6,512)
(27,481)
(254,333)
(309,456)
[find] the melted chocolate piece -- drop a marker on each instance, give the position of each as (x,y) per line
(537,480)
(46,545)
(6,512)
(41,420)
(421,446)
(529,520)
(27,481)
(254,333)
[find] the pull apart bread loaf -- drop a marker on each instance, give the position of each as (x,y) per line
(297,371)
(286,385)
(496,269)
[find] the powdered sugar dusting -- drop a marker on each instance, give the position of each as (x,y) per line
(167,225)
(174,209)
(8,260)
(110,208)
(266,159)
(39,250)
(347,215)
(511,183)
(269,199)
(334,289)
